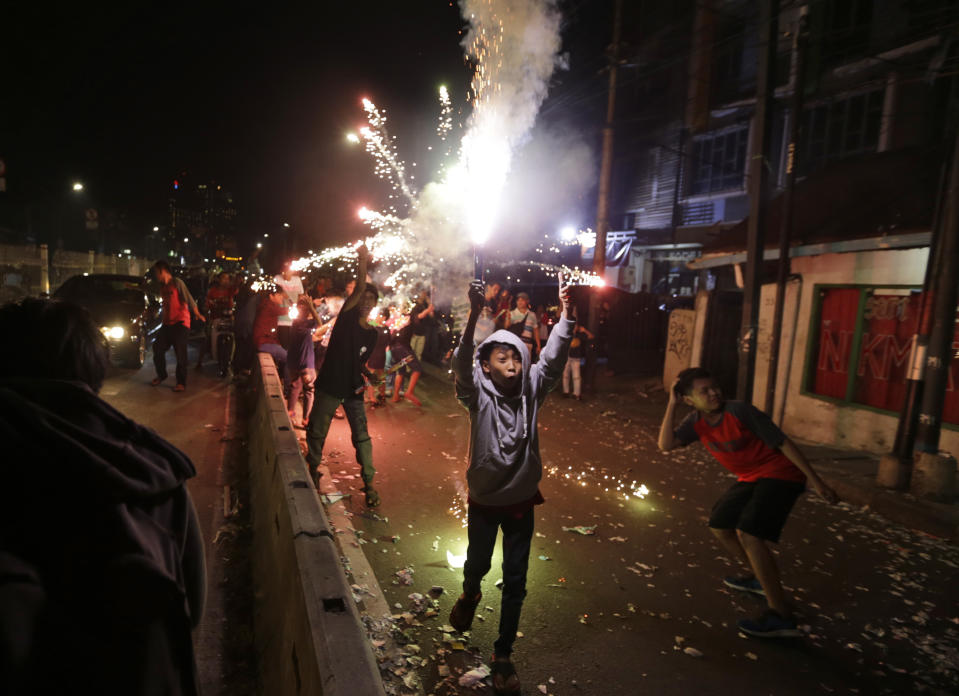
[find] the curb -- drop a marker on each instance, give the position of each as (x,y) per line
(309,636)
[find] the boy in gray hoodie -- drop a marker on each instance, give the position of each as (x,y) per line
(503,394)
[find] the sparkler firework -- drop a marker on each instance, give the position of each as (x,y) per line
(419,236)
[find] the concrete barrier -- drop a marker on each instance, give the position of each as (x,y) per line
(308,634)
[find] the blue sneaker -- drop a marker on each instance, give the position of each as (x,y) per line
(770,625)
(747,583)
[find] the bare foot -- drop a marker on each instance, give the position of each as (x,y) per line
(413,400)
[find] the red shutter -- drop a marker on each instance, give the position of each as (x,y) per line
(837,323)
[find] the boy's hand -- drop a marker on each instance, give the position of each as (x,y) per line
(827,493)
(673,394)
(362,253)
(477,295)
(564,298)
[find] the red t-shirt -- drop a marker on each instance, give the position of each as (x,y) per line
(176,310)
(745,441)
(264,326)
(219,299)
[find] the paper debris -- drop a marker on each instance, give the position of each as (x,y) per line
(474,676)
(582,529)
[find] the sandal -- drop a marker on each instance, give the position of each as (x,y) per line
(505,679)
(461,615)
(372,497)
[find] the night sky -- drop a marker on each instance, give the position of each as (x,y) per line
(126,98)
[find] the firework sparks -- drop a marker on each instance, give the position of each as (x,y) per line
(590,477)
(513,47)
(382,147)
(445,124)
(572,276)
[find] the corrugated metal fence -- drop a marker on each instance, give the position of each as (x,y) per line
(28,270)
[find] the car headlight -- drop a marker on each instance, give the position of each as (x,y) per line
(114,332)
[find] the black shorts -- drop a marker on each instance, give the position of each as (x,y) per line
(399,353)
(758,507)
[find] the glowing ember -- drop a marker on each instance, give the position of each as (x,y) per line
(454,560)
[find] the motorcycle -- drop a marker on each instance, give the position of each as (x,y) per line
(223,341)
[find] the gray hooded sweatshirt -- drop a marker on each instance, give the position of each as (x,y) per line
(505,467)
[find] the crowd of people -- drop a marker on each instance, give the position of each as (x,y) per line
(137,532)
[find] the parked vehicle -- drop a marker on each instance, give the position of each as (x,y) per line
(126,309)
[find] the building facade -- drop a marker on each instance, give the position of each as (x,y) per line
(202,221)
(881,107)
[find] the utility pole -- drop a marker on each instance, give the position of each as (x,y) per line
(786,219)
(939,354)
(606,167)
(895,468)
(758,195)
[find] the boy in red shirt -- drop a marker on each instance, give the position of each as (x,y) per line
(265,325)
(771,472)
(178,303)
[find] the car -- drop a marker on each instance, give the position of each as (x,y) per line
(125,307)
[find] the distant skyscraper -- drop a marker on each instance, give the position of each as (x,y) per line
(202,222)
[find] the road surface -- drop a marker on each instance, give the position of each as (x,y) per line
(614,612)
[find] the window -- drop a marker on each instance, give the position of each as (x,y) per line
(859,348)
(718,161)
(698,213)
(848,24)
(845,127)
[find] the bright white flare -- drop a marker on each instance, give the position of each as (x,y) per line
(455,561)
(514,46)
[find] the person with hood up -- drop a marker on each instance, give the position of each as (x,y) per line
(503,393)
(102,572)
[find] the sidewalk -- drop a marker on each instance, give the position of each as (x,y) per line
(852,474)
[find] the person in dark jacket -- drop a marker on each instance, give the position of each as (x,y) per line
(102,574)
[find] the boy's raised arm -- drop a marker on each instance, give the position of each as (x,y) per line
(552,360)
(667,440)
(463,355)
(363,256)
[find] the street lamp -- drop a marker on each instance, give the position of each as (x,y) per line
(186,239)
(77,186)
(286,224)
(156,229)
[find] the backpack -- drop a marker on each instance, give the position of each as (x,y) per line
(519,326)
